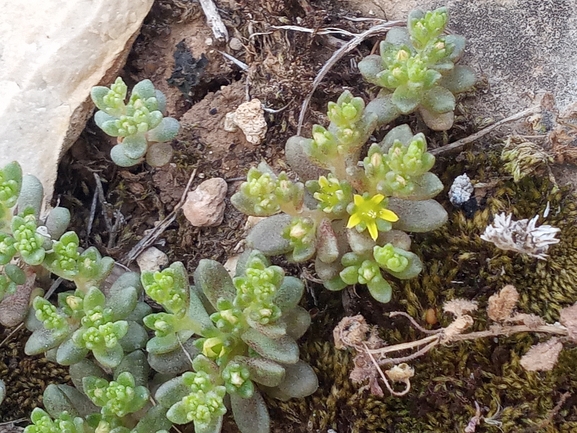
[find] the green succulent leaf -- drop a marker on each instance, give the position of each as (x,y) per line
(119,156)
(167,130)
(283,350)
(250,414)
(134,146)
(300,381)
(237,381)
(301,234)
(28,242)
(439,100)
(63,261)
(118,397)
(203,405)
(7,248)
(380,290)
(214,281)
(42,423)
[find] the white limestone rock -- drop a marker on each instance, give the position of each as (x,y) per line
(204,207)
(51,55)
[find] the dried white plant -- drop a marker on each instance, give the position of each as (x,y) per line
(461,190)
(523,236)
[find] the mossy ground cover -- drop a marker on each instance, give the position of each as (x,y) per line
(449,380)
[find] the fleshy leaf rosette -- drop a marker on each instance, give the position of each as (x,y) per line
(106,325)
(342,219)
(139,124)
(244,345)
(417,71)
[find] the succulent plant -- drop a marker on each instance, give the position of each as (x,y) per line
(417,72)
(140,125)
(83,322)
(27,240)
(243,331)
(352,217)
(117,402)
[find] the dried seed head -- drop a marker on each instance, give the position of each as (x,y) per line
(400,373)
(460,324)
(501,304)
(542,356)
(521,236)
(351,332)
(458,307)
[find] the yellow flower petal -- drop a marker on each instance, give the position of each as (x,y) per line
(377,198)
(388,215)
(358,199)
(373,231)
(354,220)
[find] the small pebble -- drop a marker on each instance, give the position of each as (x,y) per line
(235,44)
(204,207)
(152,259)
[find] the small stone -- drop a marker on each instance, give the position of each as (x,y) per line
(230,265)
(152,259)
(229,123)
(204,207)
(249,117)
(235,44)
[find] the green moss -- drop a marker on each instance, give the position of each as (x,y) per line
(26,377)
(449,380)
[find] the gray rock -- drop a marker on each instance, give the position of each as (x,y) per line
(204,207)
(520,46)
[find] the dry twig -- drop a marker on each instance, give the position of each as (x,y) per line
(337,55)
(457,145)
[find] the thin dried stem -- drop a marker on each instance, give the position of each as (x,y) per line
(414,323)
(417,354)
(384,377)
(457,145)
(14,331)
(337,55)
(408,345)
(434,340)
(498,330)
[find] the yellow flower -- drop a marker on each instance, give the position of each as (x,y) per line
(370,213)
